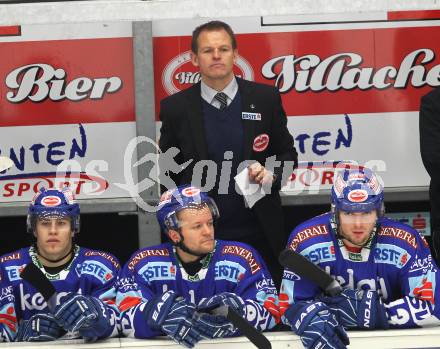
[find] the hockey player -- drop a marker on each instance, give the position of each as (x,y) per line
(385,267)
(83,278)
(170,289)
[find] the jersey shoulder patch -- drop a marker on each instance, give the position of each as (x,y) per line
(147,253)
(244,252)
(13,256)
(316,231)
(402,234)
(103,256)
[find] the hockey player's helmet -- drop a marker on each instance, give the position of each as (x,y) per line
(53,203)
(357,190)
(182,197)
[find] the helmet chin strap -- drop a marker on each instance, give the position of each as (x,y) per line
(185,248)
(54,260)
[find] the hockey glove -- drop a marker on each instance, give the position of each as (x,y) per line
(225,298)
(173,315)
(316,325)
(85,314)
(213,326)
(40,327)
(358,309)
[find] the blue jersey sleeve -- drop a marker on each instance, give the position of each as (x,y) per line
(102,269)
(8,317)
(293,287)
(420,285)
(256,287)
(133,293)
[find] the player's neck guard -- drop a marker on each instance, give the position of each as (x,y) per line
(55,260)
(33,253)
(203,264)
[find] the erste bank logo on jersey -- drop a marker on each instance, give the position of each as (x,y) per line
(229,271)
(391,254)
(158,271)
(320,253)
(96,269)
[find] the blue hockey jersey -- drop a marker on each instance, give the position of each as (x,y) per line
(91,273)
(232,267)
(398,264)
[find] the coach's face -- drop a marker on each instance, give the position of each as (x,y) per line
(215,58)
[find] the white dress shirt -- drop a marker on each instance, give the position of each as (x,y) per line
(209,93)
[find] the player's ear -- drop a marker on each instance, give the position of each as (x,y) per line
(174,236)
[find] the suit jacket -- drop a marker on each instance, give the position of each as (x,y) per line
(429,123)
(183,128)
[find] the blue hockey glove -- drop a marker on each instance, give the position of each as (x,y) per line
(225,298)
(213,326)
(316,325)
(173,315)
(358,309)
(84,314)
(40,327)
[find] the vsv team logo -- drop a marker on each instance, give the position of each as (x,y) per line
(180,73)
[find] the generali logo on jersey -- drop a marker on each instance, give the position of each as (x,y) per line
(180,73)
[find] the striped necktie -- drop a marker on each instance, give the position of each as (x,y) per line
(223,99)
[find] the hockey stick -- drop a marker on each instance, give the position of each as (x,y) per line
(245,328)
(304,268)
(32,274)
(5,163)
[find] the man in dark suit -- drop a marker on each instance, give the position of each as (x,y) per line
(430,150)
(229,120)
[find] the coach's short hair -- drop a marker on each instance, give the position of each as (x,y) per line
(211,26)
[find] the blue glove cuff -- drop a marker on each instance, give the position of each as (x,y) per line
(381,319)
(300,311)
(100,327)
(225,298)
(361,309)
(157,309)
(372,313)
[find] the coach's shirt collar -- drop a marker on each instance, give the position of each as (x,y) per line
(208,93)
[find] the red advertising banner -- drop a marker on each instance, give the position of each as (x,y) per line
(322,72)
(10,30)
(66,81)
(367,71)
(67,108)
